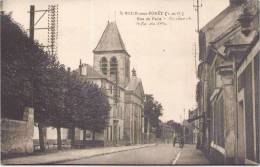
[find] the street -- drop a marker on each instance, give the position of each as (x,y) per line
(164,154)
(158,154)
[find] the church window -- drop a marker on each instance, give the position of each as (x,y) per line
(103,65)
(113,68)
(127,68)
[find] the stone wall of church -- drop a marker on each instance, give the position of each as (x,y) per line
(133,119)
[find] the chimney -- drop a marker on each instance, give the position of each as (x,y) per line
(68,73)
(80,67)
(133,73)
(245,20)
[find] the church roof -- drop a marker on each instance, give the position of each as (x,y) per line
(89,72)
(133,83)
(110,40)
(135,86)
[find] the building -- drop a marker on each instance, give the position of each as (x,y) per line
(228,90)
(167,133)
(111,71)
(194,126)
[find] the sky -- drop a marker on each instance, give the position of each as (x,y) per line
(163,55)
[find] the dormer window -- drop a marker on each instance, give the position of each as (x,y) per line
(103,65)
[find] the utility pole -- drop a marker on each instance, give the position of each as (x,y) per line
(52,27)
(197,7)
(32,11)
(183,125)
(31,36)
(195,58)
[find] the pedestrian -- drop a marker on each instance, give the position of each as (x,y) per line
(198,142)
(174,141)
(181,142)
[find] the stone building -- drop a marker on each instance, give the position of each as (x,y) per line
(228,90)
(167,133)
(194,125)
(111,71)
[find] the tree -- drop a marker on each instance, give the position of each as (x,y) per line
(27,76)
(153,110)
(56,108)
(96,108)
(16,84)
(31,77)
(73,101)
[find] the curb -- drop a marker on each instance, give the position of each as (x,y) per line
(72,159)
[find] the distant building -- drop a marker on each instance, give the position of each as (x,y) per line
(228,90)
(166,133)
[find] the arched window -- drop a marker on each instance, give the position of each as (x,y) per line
(103,65)
(113,68)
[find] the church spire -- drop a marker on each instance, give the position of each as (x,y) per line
(110,40)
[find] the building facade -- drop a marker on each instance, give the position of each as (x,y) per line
(228,90)
(111,71)
(194,126)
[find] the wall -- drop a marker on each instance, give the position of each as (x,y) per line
(16,136)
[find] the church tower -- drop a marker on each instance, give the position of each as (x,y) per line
(110,56)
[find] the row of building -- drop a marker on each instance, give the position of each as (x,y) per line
(228,88)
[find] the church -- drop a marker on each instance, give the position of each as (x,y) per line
(111,71)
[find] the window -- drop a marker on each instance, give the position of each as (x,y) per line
(103,65)
(127,68)
(111,137)
(113,68)
(111,89)
(107,133)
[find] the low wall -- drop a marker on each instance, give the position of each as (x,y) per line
(216,157)
(16,136)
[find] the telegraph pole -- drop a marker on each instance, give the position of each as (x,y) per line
(32,11)
(195,57)
(31,36)
(51,27)
(183,125)
(197,7)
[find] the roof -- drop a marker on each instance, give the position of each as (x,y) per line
(133,83)
(222,22)
(110,40)
(223,14)
(90,72)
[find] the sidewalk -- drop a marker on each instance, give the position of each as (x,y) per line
(70,155)
(190,155)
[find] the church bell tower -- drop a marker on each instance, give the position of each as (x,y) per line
(110,56)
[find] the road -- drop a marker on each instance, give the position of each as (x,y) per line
(158,154)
